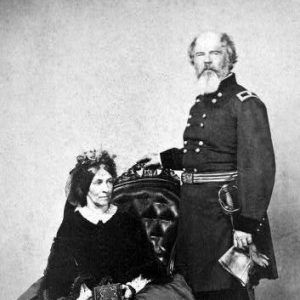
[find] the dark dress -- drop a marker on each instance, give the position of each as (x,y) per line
(226,131)
(118,248)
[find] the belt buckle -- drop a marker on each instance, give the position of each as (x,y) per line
(188,178)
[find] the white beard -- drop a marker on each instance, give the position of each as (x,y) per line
(209,82)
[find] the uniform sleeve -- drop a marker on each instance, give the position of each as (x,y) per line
(172,159)
(255,164)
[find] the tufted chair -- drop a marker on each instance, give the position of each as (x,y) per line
(152,194)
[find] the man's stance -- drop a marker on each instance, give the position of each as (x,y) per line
(226,140)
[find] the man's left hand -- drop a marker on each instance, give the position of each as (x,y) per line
(242,239)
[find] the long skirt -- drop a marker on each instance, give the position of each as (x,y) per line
(177,289)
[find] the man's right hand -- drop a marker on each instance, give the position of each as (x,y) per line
(154,159)
(242,239)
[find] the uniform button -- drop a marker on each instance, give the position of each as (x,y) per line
(197,100)
(190,116)
(188,125)
(185,142)
(195,170)
(183,169)
(197,150)
(258,230)
(184,150)
(260,224)
(214,101)
(220,94)
(264,219)
(201,125)
(204,116)
(201,143)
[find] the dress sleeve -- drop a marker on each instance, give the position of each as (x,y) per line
(255,163)
(61,268)
(172,159)
(147,263)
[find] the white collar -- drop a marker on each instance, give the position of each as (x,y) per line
(94,217)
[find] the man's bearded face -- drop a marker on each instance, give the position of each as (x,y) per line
(211,62)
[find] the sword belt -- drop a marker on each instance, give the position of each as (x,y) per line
(194,178)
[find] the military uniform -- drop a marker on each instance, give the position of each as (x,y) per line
(226,131)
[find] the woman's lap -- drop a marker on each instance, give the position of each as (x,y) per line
(176,289)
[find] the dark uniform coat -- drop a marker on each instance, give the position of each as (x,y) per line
(226,131)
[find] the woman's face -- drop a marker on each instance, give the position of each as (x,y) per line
(101,187)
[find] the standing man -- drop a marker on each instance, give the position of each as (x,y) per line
(226,140)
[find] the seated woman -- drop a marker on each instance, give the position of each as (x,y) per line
(96,240)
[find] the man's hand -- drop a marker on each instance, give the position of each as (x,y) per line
(242,239)
(154,159)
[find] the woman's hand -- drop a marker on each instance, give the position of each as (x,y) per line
(128,290)
(85,293)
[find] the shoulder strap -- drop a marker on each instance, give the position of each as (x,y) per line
(244,95)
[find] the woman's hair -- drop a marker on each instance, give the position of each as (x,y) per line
(82,175)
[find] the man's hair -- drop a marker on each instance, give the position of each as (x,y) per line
(226,41)
(82,175)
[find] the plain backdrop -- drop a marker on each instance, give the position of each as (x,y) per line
(78,74)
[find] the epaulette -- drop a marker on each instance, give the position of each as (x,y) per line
(244,95)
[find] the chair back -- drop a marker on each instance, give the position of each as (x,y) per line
(153,195)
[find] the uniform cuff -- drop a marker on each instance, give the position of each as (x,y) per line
(245,224)
(171,159)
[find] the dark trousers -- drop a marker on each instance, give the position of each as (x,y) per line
(236,294)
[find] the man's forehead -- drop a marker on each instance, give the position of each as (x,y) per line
(208,41)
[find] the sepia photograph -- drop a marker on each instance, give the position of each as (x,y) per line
(149,150)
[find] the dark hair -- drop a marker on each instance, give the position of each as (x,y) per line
(82,175)
(230,48)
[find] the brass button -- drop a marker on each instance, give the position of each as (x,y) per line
(188,125)
(183,169)
(204,116)
(201,125)
(197,100)
(201,143)
(214,101)
(184,150)
(220,94)
(185,142)
(190,116)
(195,170)
(197,150)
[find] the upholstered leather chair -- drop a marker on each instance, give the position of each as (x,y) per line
(152,194)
